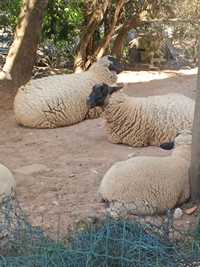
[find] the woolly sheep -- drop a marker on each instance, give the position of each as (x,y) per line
(7,190)
(7,182)
(60,100)
(147,185)
(142,121)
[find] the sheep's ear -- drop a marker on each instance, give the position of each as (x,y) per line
(116,88)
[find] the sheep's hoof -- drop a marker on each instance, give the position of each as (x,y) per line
(167,146)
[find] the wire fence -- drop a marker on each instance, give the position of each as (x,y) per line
(107,243)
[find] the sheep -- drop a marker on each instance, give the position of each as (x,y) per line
(7,202)
(142,121)
(60,100)
(7,182)
(149,185)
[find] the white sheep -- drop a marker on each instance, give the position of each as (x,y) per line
(142,121)
(7,182)
(7,190)
(147,185)
(60,100)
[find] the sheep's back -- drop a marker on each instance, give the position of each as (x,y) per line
(53,101)
(150,184)
(126,120)
(167,115)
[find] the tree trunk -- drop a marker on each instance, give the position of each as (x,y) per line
(106,41)
(195,160)
(119,42)
(21,57)
(97,15)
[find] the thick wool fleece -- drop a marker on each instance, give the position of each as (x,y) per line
(149,185)
(59,100)
(153,120)
(7,182)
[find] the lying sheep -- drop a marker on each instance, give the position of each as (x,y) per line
(60,100)
(147,185)
(153,120)
(7,193)
(7,182)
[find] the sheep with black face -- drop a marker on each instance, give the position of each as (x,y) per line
(60,100)
(142,121)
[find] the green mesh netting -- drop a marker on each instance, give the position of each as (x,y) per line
(112,243)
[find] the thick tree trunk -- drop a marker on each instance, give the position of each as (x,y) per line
(97,15)
(21,57)
(195,161)
(106,41)
(119,42)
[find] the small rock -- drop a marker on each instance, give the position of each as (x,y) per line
(31,169)
(178,213)
(46,226)
(41,209)
(72,175)
(132,155)
(55,203)
(94,171)
(190,210)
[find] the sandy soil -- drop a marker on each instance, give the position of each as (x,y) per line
(58,171)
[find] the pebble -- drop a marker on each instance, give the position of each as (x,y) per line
(94,171)
(178,213)
(132,155)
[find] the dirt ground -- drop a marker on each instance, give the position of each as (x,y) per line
(58,171)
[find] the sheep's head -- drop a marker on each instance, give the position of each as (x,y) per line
(100,93)
(109,62)
(113,64)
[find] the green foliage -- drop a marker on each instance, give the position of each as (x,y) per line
(61,23)
(9,11)
(63,20)
(61,26)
